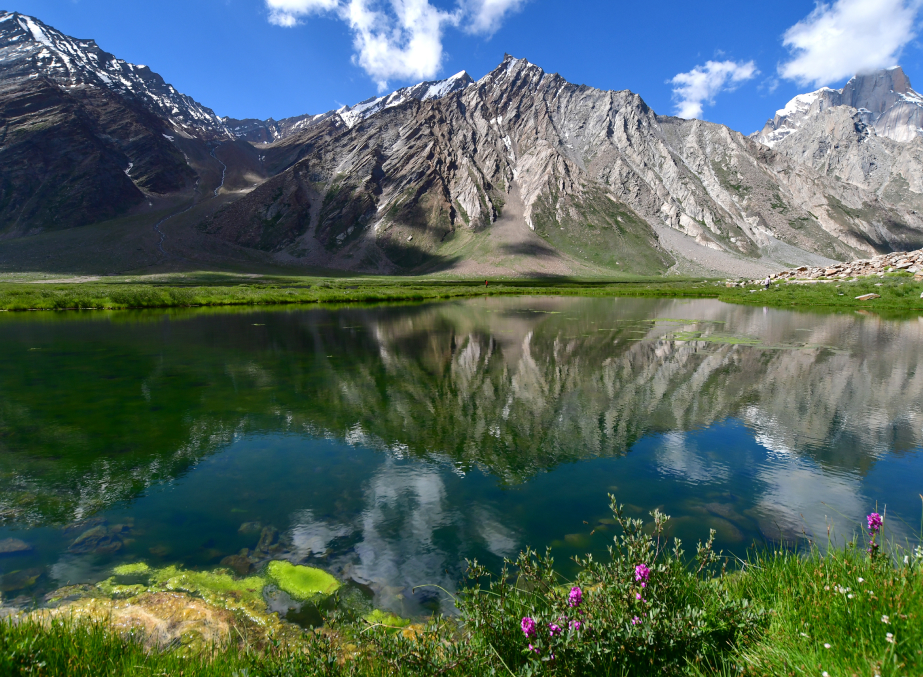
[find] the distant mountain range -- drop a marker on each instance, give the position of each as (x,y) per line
(104,167)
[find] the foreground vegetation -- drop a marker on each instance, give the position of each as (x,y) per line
(648,611)
(897,291)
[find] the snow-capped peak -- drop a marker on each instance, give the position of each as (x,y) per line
(884,100)
(28,48)
(425,91)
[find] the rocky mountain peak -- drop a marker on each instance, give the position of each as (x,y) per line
(29,48)
(883,101)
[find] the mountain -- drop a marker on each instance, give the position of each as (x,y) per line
(598,178)
(520,172)
(86,136)
(868,135)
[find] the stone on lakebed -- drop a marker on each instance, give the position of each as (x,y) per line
(12,546)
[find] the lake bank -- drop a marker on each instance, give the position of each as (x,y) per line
(853,610)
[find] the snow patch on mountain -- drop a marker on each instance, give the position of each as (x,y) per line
(267,131)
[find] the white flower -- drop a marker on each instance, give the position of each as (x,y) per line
(825,674)
(803,634)
(826,646)
(861,580)
(849,596)
(889,637)
(885,619)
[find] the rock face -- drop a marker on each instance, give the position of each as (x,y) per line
(868,135)
(520,171)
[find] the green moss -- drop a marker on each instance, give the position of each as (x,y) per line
(301,582)
(134,569)
(217,587)
(111,588)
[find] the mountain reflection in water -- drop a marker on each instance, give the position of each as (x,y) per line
(390,443)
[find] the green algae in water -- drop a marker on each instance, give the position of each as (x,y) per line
(215,587)
(379,617)
(299,581)
(725,339)
(133,569)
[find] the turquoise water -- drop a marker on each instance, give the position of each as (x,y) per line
(387,445)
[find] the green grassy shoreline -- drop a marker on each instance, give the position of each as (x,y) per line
(898,292)
(842,612)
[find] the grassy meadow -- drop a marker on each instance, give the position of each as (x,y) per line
(897,291)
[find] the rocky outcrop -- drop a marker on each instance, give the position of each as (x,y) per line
(911,262)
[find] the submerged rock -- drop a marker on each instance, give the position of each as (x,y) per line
(238,563)
(19,580)
(98,539)
(269,540)
(13,546)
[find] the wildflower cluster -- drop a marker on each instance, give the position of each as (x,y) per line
(643,610)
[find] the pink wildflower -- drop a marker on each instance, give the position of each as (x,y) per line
(575,597)
(642,573)
(528,627)
(875,521)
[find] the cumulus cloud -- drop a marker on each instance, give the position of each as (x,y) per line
(398,39)
(848,37)
(698,87)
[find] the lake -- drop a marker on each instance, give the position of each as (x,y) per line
(389,444)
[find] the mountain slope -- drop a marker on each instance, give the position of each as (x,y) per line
(82,139)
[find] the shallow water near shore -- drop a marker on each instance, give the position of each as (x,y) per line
(386,445)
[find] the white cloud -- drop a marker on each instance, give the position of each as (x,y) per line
(407,45)
(486,16)
(398,39)
(848,37)
(289,12)
(698,87)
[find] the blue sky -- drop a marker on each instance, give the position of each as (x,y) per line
(722,61)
